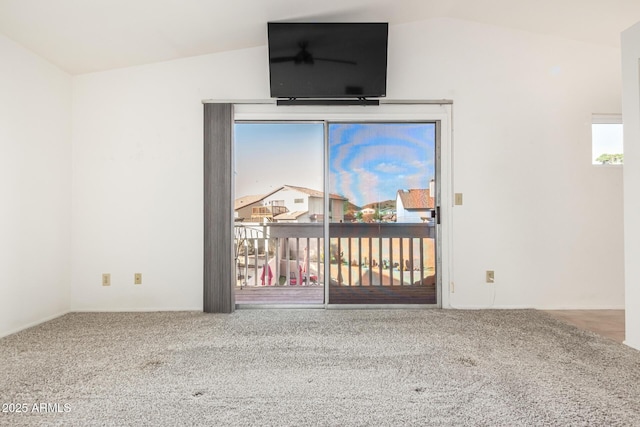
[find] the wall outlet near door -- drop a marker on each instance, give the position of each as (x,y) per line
(490,276)
(137,279)
(106,279)
(458,199)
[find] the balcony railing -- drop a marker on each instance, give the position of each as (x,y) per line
(384,254)
(279,254)
(259,213)
(361,255)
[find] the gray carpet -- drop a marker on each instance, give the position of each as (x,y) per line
(316,367)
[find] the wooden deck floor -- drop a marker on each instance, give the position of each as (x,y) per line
(383,294)
(339,295)
(280,295)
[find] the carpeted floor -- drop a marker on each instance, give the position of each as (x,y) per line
(317,367)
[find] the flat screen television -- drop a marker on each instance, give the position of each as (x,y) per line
(327,60)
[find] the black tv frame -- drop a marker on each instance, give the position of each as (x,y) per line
(328,98)
(329,101)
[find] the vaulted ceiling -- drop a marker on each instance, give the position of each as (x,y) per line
(83,36)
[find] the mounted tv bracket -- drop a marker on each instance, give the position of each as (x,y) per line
(307,101)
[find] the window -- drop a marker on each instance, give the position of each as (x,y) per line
(606,139)
(298,200)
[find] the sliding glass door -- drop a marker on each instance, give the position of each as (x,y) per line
(382,203)
(279,213)
(358,227)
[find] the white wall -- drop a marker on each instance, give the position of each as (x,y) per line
(631,119)
(35,189)
(138,179)
(536,211)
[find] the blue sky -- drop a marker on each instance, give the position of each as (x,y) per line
(371,162)
(367,162)
(270,155)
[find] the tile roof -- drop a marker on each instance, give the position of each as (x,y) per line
(416,199)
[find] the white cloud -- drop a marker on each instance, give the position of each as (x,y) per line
(389,167)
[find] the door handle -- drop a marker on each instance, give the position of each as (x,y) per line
(435,213)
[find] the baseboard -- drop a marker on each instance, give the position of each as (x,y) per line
(32,324)
(582,307)
(634,345)
(119,310)
(494,307)
(528,307)
(132,310)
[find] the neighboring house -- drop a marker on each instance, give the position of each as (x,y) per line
(414,205)
(368,211)
(289,204)
(244,205)
(297,216)
(301,199)
(256,209)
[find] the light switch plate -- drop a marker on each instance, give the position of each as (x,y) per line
(458,199)
(137,279)
(106,279)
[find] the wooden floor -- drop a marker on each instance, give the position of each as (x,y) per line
(608,323)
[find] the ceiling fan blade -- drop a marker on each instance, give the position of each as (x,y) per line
(339,61)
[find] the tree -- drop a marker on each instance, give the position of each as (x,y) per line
(611,159)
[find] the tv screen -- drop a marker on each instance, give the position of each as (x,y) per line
(327,60)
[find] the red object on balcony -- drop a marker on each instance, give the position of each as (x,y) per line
(293,280)
(270,275)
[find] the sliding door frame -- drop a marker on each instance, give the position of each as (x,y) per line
(438,112)
(307,305)
(438,233)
